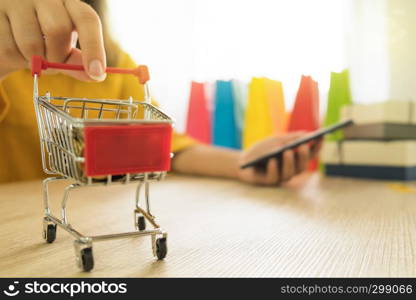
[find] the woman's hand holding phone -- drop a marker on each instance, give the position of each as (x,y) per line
(276,171)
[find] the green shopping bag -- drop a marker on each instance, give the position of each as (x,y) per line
(339,95)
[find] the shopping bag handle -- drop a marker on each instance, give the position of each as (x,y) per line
(39,64)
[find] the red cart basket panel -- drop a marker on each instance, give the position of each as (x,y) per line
(121,149)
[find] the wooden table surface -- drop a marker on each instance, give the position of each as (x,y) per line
(314,227)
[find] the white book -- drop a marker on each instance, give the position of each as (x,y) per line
(376,153)
(397,112)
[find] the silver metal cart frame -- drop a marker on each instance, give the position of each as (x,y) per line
(61,122)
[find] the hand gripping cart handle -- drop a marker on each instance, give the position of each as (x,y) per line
(102,142)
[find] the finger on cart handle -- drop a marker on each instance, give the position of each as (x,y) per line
(39,64)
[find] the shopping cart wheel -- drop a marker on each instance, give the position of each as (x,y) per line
(87,259)
(141,223)
(50,233)
(161,248)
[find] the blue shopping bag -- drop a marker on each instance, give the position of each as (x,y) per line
(224,127)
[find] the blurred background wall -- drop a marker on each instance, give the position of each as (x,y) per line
(381,50)
(205,40)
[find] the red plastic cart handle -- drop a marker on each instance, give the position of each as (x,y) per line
(39,64)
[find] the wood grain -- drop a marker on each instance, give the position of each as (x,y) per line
(313,227)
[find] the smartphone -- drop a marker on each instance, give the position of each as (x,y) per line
(261,162)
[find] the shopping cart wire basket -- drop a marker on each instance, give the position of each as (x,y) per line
(102,142)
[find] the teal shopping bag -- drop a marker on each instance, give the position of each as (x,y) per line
(224,127)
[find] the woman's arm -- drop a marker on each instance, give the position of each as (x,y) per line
(221,162)
(207,160)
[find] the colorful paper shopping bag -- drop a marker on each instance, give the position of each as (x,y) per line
(224,128)
(305,114)
(338,96)
(209,88)
(198,123)
(257,123)
(274,94)
(240,102)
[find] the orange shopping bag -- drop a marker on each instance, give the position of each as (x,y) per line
(305,114)
(276,100)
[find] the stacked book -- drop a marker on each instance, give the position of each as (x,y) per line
(381,144)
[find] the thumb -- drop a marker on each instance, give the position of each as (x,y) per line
(75,58)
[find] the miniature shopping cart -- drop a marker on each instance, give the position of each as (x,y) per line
(102,142)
